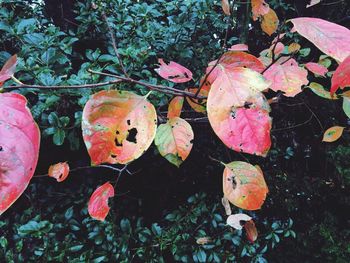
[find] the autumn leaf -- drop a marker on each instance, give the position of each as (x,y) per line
(174,140)
(332,134)
(319,90)
(251,231)
(316,68)
(238,112)
(278,48)
(59,171)
(118,126)
(269,22)
(234,220)
(239,47)
(244,185)
(259,8)
(293,48)
(8,69)
(173,72)
(330,38)
(98,204)
(231,60)
(341,76)
(175,107)
(19,148)
(226,7)
(199,105)
(346,106)
(312,3)
(287,77)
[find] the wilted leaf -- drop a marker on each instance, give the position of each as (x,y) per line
(239,47)
(251,231)
(226,7)
(174,140)
(238,112)
(330,38)
(118,126)
(175,107)
(231,60)
(319,90)
(244,185)
(234,220)
(316,68)
(259,8)
(287,77)
(269,22)
(341,76)
(59,171)
(19,148)
(173,72)
(8,69)
(332,134)
(98,204)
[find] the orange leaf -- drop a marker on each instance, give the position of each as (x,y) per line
(269,22)
(173,72)
(174,140)
(199,105)
(244,185)
(226,7)
(332,134)
(259,8)
(118,126)
(251,231)
(59,171)
(98,204)
(175,107)
(19,148)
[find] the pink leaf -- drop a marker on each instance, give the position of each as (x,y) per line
(239,47)
(316,68)
(173,72)
(98,204)
(259,8)
(330,38)
(287,77)
(341,76)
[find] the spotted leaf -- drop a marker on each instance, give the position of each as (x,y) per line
(174,72)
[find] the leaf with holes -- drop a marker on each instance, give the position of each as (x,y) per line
(226,7)
(259,8)
(239,113)
(98,204)
(316,68)
(244,185)
(332,134)
(287,77)
(251,231)
(118,126)
(175,107)
(330,38)
(269,22)
(19,148)
(8,69)
(341,76)
(174,140)
(239,47)
(173,72)
(59,171)
(231,60)
(234,220)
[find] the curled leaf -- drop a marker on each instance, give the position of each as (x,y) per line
(175,107)
(234,220)
(19,148)
(118,126)
(173,72)
(59,171)
(341,76)
(174,140)
(251,231)
(332,134)
(244,185)
(98,204)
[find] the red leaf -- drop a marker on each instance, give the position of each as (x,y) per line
(173,72)
(330,38)
(8,69)
(244,185)
(341,76)
(118,126)
(19,148)
(316,68)
(98,204)
(175,107)
(59,171)
(251,231)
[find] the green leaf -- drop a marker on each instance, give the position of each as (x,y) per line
(346,106)
(59,136)
(76,248)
